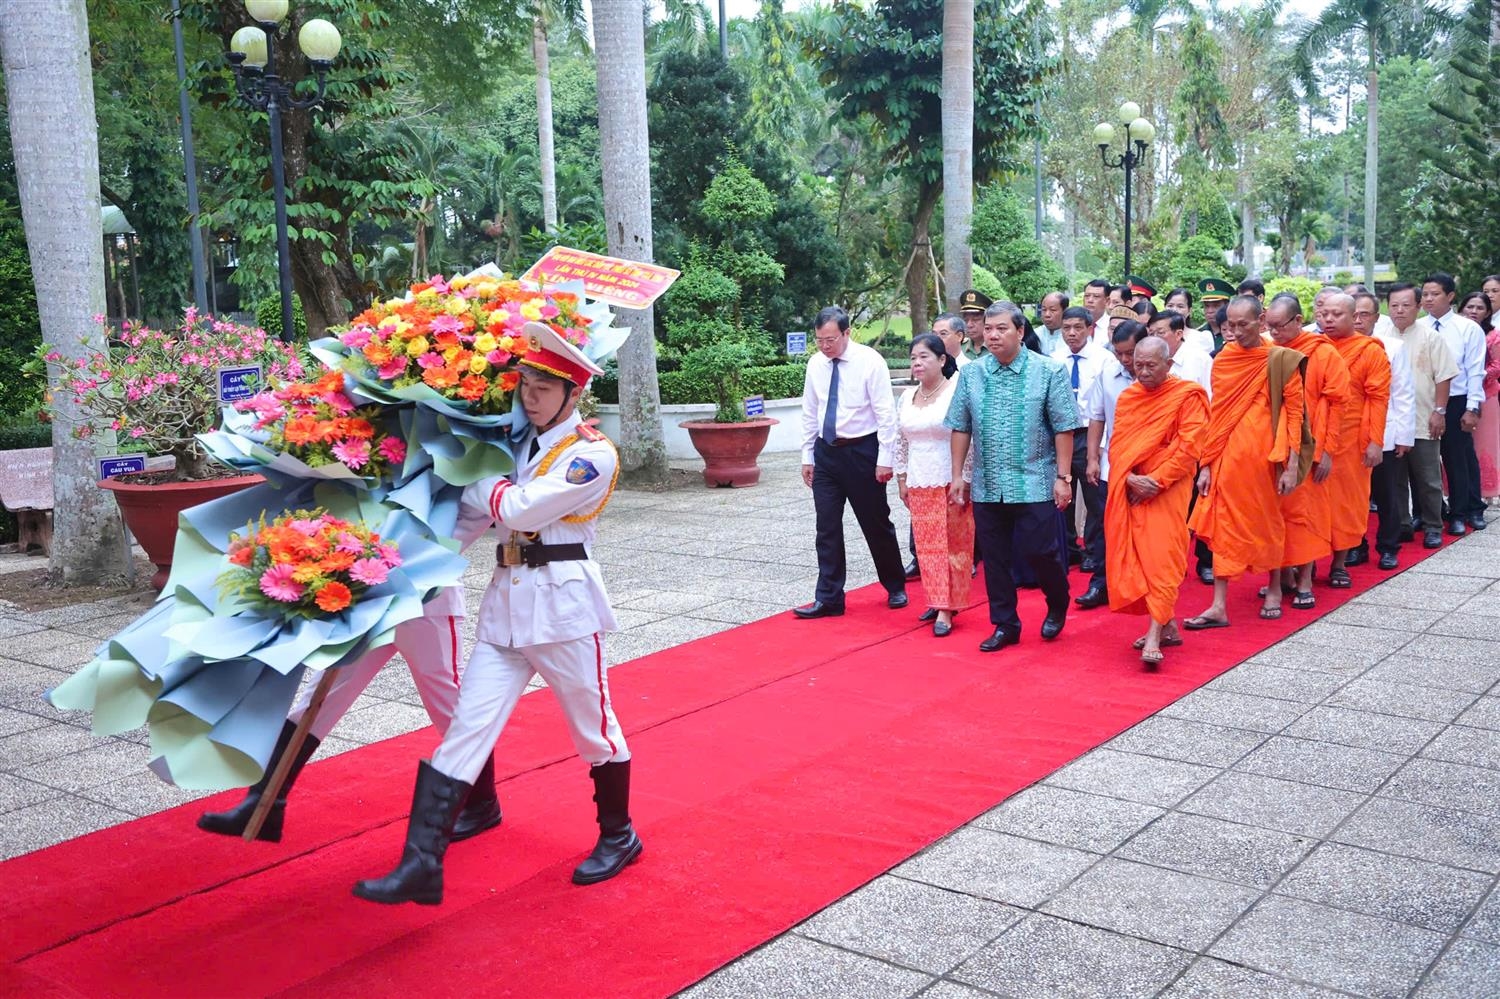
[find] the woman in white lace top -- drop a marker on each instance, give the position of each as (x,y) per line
(944,532)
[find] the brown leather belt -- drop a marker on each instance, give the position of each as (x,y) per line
(535,556)
(846,441)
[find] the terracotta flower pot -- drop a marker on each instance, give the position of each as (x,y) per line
(729,450)
(150,511)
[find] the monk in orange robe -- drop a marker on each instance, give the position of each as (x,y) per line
(1308,509)
(1249,461)
(1153,453)
(1363,437)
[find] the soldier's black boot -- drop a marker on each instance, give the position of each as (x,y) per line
(234,821)
(419,876)
(618,844)
(482,810)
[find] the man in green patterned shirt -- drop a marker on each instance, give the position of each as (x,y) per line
(1016,408)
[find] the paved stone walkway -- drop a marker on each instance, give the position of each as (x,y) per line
(1323,820)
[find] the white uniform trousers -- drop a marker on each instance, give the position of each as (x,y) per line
(430,646)
(494,681)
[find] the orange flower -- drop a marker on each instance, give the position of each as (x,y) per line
(473,387)
(307,572)
(334,596)
(354,426)
(303,430)
(337,561)
(243,555)
(440,378)
(509,380)
(377,353)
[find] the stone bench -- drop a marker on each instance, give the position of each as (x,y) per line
(26,491)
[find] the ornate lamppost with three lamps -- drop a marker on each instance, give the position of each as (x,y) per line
(1138,135)
(253,51)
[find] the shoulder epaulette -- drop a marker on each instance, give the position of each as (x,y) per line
(590,433)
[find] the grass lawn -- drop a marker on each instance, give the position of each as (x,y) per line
(900,330)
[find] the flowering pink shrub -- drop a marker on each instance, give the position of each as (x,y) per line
(155,389)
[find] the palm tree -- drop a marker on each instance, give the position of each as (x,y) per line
(568,14)
(50,91)
(625,153)
(958,145)
(1385,27)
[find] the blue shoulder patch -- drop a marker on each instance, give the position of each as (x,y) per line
(581,470)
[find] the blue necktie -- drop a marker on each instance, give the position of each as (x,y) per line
(831,414)
(1076,359)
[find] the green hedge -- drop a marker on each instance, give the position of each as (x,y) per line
(775,381)
(19,436)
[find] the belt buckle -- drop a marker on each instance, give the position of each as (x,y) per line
(510,553)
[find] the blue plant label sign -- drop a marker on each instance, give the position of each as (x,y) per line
(796,343)
(120,464)
(238,384)
(755,405)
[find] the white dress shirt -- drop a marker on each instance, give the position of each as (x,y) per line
(1202,339)
(866,402)
(1098,403)
(1191,363)
(1465,342)
(1401,412)
(1091,361)
(960,359)
(1050,340)
(1101,333)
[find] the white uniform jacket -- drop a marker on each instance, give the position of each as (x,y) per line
(555,499)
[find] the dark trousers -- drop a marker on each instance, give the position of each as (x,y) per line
(1388,488)
(1026,533)
(847,475)
(1461,463)
(1093,504)
(1424,466)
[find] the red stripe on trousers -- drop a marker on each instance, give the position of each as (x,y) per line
(603,713)
(453,633)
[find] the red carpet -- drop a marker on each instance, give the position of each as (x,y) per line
(779,766)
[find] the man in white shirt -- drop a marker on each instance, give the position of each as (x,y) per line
(1082,360)
(1465,342)
(1189,362)
(1433,371)
(953,331)
(848,443)
(1096,300)
(1383,326)
(1388,479)
(1049,333)
(1097,405)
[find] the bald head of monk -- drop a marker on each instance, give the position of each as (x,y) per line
(1153,362)
(1284,319)
(1243,322)
(1337,320)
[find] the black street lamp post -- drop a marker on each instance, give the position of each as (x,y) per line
(1138,135)
(253,56)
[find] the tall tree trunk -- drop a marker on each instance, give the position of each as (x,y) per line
(918,294)
(1247,209)
(44,48)
(620,52)
(958,146)
(1372,166)
(544,119)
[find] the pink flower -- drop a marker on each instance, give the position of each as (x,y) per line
(306,528)
(393,449)
(392,369)
(354,453)
(349,543)
(339,403)
(550,311)
(278,584)
(370,571)
(356,337)
(389,554)
(498,357)
(446,324)
(431,359)
(137,431)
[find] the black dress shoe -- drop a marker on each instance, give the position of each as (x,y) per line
(1052,624)
(1457,528)
(1357,556)
(1477,522)
(1089,565)
(1095,596)
(896,601)
(941,630)
(930,614)
(1206,575)
(913,570)
(818,609)
(999,640)
(1432,539)
(1388,560)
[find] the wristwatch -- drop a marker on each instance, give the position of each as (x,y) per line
(1066,478)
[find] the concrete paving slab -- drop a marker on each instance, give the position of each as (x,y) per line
(1483,713)
(1334,659)
(1434,670)
(1470,968)
(1364,729)
(1069,818)
(1214,848)
(1188,741)
(1449,785)
(1246,711)
(997,866)
(1132,777)
(1321,763)
(793,967)
(1485,923)
(37,825)
(1271,803)
(1406,699)
(1478,746)
(1424,832)
(1212,979)
(1261,678)
(1378,884)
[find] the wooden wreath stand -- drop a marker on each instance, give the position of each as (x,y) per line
(272,790)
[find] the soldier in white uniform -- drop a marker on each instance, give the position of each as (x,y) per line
(544,612)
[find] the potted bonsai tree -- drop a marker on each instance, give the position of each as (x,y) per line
(729,444)
(153,391)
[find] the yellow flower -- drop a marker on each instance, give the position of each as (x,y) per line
(459,283)
(508,344)
(402,327)
(477,364)
(451,353)
(456,306)
(484,343)
(532,310)
(499,316)
(416,346)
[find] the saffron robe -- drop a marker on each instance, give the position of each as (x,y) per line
(1240,518)
(1363,417)
(1157,433)
(1308,509)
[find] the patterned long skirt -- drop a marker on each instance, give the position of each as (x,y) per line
(945,545)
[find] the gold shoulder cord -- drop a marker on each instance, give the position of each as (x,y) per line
(552,455)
